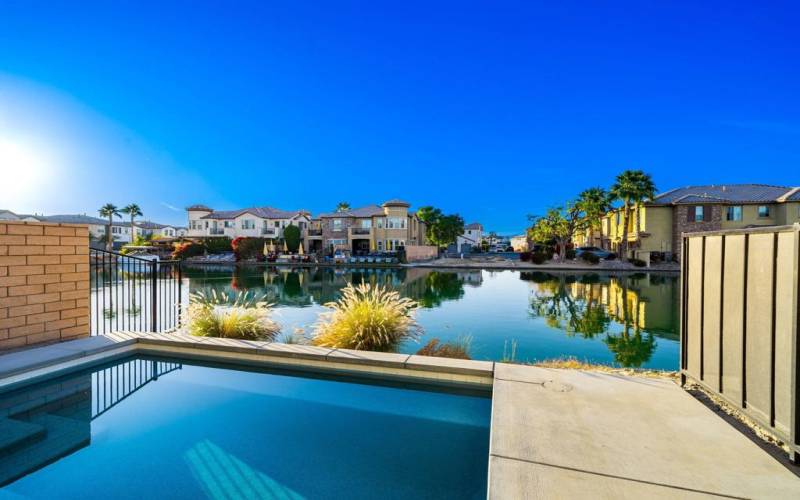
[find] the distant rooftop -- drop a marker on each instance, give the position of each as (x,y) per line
(395,202)
(262,212)
(723,193)
(367,211)
(474,225)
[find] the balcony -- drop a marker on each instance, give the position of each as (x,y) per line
(216,231)
(360,231)
(268,231)
(315,232)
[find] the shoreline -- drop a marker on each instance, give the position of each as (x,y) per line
(459,264)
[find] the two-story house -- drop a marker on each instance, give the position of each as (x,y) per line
(655,229)
(384,228)
(471,238)
(262,222)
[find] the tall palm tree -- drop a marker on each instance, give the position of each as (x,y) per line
(342,206)
(632,187)
(109,210)
(594,203)
(133,211)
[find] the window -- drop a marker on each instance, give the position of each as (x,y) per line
(366,223)
(380,245)
(380,222)
(734,213)
(763,211)
(395,223)
(248,224)
(618,218)
(698,214)
(337,224)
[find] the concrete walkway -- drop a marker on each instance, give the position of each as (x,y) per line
(573,434)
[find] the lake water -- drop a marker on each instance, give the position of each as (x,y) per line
(626,320)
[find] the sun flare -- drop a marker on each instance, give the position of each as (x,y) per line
(23,170)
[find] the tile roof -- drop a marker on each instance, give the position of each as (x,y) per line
(474,225)
(199,207)
(722,193)
(262,212)
(396,202)
(76,219)
(367,211)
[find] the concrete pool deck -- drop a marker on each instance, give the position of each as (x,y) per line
(554,433)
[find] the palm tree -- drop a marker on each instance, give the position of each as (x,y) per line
(342,206)
(594,203)
(133,211)
(632,187)
(109,210)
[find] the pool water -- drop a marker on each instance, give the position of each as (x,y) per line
(626,320)
(146,428)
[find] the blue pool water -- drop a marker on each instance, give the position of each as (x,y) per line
(157,429)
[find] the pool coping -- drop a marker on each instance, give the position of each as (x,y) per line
(31,365)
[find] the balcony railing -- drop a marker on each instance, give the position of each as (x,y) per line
(315,232)
(214,230)
(360,230)
(270,231)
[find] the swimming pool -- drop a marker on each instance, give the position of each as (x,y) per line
(157,428)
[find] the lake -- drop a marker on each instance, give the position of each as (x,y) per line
(628,320)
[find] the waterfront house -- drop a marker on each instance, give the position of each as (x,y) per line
(471,238)
(385,228)
(261,222)
(656,231)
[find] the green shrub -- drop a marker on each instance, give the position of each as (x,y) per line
(570,254)
(291,234)
(367,317)
(525,256)
(218,244)
(637,262)
(612,256)
(216,315)
(539,258)
(456,349)
(590,258)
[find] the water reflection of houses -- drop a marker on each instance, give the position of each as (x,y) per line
(42,424)
(309,285)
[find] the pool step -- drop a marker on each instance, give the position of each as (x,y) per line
(16,434)
(60,437)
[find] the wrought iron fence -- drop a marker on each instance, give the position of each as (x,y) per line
(134,293)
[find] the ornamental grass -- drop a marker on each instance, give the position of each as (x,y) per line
(368,318)
(243,316)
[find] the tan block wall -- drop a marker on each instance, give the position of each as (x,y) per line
(44,283)
(416,253)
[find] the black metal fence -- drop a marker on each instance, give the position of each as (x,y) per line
(133,293)
(113,384)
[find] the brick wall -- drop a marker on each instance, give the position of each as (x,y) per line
(680,224)
(44,283)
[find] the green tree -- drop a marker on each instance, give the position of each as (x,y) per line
(342,206)
(632,187)
(559,224)
(429,215)
(446,230)
(109,210)
(291,234)
(594,203)
(133,211)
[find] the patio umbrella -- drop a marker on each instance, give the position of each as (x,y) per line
(285,247)
(266,250)
(371,246)
(271,247)
(300,250)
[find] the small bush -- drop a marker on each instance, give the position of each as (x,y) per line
(215,315)
(637,262)
(611,256)
(248,248)
(367,317)
(456,349)
(570,254)
(292,236)
(525,256)
(539,258)
(590,257)
(186,250)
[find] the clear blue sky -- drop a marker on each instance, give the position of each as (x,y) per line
(494,110)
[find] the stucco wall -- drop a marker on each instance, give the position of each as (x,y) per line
(416,253)
(44,283)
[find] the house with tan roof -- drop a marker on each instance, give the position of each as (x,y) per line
(655,230)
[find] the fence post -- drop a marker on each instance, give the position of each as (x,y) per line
(180,295)
(153,296)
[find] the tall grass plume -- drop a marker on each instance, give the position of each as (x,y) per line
(243,316)
(368,317)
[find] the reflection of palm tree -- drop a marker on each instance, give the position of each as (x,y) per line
(630,350)
(554,302)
